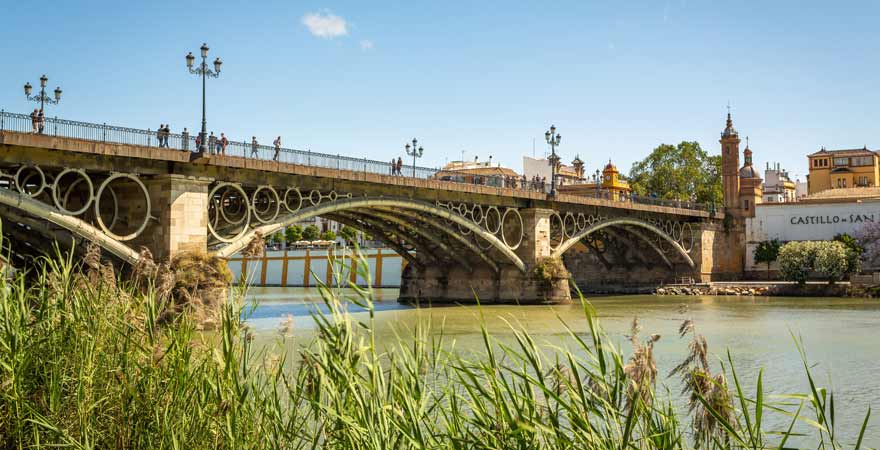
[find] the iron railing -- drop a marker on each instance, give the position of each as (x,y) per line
(53,126)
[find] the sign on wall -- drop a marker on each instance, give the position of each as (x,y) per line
(810,221)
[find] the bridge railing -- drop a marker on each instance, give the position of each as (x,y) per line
(53,126)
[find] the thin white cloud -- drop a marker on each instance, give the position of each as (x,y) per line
(367,45)
(325,25)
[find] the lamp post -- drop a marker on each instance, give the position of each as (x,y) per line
(42,98)
(416,152)
(553,139)
(204,72)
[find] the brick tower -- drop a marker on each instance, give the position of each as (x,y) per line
(730,166)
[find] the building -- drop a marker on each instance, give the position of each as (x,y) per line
(476,172)
(839,169)
(565,175)
(778,187)
(741,185)
(609,185)
(818,219)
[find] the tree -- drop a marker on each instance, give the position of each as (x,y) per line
(767,252)
(349,234)
(328,235)
(310,233)
(293,234)
(681,172)
(275,238)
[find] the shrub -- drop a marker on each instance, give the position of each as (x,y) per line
(854,251)
(796,260)
(831,260)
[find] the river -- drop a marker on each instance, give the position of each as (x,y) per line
(840,335)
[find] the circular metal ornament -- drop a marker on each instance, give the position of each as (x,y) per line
(19,183)
(105,185)
(315,197)
(477,214)
(581,222)
(247,216)
(288,201)
(569,225)
(61,203)
(511,214)
(258,214)
(493,220)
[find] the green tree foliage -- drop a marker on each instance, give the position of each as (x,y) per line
(766,252)
(276,238)
(293,234)
(798,259)
(328,236)
(349,234)
(311,233)
(679,172)
(854,251)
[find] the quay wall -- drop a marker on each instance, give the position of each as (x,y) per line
(299,268)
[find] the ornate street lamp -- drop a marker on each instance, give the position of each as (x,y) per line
(204,72)
(553,139)
(42,98)
(416,152)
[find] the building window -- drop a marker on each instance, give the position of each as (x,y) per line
(746,205)
(863,161)
(841,161)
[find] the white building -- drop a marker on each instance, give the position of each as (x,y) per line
(806,221)
(778,187)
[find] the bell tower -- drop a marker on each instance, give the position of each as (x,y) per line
(730,165)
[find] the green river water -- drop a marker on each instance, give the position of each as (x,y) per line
(841,335)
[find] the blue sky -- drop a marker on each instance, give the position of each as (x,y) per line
(617,78)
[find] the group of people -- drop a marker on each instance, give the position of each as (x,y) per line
(397,166)
(163,133)
(37,120)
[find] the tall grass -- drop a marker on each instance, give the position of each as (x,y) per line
(84,363)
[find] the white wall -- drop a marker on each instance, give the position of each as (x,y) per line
(539,167)
(806,222)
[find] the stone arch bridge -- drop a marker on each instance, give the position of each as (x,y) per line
(460,241)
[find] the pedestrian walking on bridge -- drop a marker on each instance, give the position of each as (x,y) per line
(255,147)
(223,144)
(399,166)
(277,144)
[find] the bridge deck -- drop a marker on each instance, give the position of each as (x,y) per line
(11,139)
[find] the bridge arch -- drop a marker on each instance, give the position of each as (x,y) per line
(23,202)
(627,224)
(379,206)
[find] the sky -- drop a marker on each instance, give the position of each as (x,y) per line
(478,78)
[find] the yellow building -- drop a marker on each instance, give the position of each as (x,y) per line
(609,186)
(840,169)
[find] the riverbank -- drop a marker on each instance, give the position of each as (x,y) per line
(775,289)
